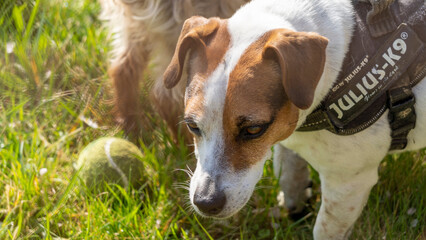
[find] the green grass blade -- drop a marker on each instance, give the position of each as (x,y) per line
(64,195)
(30,22)
(18,18)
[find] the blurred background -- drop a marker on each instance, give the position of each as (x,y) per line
(55,98)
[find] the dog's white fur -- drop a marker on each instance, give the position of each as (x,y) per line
(347,164)
(246,26)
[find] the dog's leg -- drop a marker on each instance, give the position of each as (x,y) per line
(294,179)
(343,198)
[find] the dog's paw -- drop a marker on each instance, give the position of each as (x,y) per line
(297,208)
(297,215)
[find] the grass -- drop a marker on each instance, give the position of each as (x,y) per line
(53,63)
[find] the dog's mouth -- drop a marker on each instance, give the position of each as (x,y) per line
(217,209)
(221,215)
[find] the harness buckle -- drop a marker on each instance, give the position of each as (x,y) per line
(402,115)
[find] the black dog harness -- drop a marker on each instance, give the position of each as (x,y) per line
(372,80)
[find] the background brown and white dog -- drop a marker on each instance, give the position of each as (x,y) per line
(146,32)
(252,80)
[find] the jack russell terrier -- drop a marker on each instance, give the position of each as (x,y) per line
(254,79)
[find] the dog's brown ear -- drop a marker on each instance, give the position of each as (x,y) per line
(193,34)
(301,57)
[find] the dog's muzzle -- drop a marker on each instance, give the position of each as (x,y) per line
(208,198)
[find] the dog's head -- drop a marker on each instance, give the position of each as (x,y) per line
(238,103)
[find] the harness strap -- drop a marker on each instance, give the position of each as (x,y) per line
(317,120)
(379,18)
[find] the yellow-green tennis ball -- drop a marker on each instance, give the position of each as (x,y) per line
(110,160)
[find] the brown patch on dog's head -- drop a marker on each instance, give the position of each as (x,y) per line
(274,78)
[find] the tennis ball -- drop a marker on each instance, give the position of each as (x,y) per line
(110,160)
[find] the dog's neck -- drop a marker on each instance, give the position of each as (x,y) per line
(330,19)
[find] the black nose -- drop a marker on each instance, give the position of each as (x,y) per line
(208,198)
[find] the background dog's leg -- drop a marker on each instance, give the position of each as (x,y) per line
(343,198)
(130,56)
(166,107)
(294,179)
(125,72)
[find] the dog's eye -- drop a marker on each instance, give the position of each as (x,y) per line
(253,132)
(193,128)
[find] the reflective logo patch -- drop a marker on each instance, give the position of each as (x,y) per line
(372,77)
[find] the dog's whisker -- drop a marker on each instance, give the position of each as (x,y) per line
(190,211)
(187,209)
(190,154)
(184,182)
(188,172)
(180,184)
(186,189)
(188,182)
(188,206)
(182,187)
(189,169)
(187,197)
